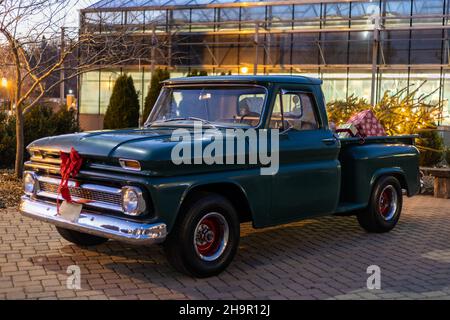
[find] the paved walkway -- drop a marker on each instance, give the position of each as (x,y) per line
(326,258)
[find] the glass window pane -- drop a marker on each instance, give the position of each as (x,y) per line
(426,83)
(226,52)
(426,46)
(181,16)
(135,20)
(362,13)
(336,15)
(429,7)
(226,15)
(334,86)
(202,15)
(252,14)
(180,19)
(89,103)
(305,49)
(395,46)
(307,15)
(280,16)
(446,98)
(334,46)
(395,10)
(359,84)
(157,17)
(280,13)
(278,49)
(360,51)
(392,81)
(247,51)
(296,109)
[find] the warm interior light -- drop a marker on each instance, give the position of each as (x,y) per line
(244,70)
(4,82)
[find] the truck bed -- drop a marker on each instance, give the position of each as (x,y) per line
(368,159)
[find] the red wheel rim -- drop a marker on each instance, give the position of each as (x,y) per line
(387,202)
(208,236)
(211,236)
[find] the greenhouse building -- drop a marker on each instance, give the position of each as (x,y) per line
(359,48)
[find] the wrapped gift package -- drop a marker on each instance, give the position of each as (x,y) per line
(367,124)
(347,130)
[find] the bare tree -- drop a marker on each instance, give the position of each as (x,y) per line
(32,29)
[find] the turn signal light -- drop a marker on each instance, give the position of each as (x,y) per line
(130,164)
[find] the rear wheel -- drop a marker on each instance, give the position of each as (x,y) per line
(205,238)
(79,238)
(384,208)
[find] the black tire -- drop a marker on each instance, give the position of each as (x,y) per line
(79,238)
(187,248)
(384,208)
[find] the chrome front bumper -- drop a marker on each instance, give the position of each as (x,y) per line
(96,224)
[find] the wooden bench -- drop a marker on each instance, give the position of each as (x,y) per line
(441,181)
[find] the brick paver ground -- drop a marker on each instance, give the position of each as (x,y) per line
(325,258)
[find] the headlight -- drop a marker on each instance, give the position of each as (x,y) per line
(133,203)
(30,183)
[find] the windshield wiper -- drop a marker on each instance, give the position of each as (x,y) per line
(187,118)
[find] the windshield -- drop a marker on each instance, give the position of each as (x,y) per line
(229,106)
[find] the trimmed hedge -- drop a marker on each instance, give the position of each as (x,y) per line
(123,108)
(153,91)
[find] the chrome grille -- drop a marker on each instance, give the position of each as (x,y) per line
(93,195)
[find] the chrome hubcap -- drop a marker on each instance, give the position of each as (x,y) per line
(211,236)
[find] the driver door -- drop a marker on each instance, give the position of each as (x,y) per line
(308,180)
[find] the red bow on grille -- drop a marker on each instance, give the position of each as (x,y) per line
(70,166)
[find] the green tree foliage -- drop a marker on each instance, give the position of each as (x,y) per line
(123,108)
(431,147)
(154,89)
(7,141)
(40,122)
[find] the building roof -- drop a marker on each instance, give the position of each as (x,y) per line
(126,4)
(103,4)
(246,79)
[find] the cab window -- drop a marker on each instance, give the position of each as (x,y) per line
(294,110)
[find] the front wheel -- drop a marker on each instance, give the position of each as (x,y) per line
(384,208)
(205,238)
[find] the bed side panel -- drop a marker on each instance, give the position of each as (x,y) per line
(363,164)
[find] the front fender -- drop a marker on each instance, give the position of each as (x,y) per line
(169,193)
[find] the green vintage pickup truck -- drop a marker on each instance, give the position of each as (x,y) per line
(135,188)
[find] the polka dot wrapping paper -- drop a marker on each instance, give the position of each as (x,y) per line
(367,124)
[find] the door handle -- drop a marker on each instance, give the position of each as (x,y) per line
(329,141)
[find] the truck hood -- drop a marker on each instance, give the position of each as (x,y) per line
(152,147)
(101,144)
